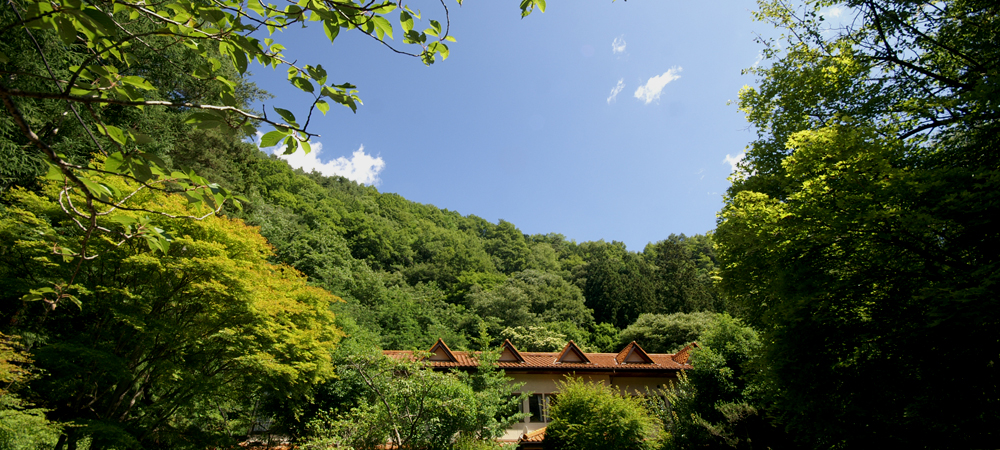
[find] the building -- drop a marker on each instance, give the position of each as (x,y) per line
(632,370)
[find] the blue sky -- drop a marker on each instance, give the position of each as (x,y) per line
(597,120)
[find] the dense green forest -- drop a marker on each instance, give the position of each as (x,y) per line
(165,284)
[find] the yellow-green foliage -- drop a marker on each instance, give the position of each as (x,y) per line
(188,333)
(592,415)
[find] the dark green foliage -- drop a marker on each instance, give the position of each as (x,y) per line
(858,235)
(378,400)
(718,404)
(592,415)
(667,333)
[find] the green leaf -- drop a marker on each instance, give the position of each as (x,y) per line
(95,188)
(323,106)
(67,32)
(305,146)
(405,21)
(291,144)
(435,29)
(138,82)
(54,173)
(286,114)
(114,162)
(317,73)
(382,27)
(384,8)
(303,84)
(116,134)
(271,139)
(331,29)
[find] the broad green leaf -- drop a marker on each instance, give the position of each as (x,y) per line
(138,82)
(285,114)
(291,144)
(434,30)
(382,27)
(331,29)
(54,173)
(323,106)
(305,146)
(96,188)
(271,139)
(114,162)
(116,134)
(67,32)
(317,73)
(405,21)
(303,84)
(384,8)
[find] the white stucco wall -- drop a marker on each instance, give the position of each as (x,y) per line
(546,384)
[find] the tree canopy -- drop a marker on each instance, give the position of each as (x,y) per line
(856,232)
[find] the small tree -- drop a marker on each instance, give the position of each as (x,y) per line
(592,415)
(717,404)
(408,405)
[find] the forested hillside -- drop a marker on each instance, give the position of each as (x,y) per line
(410,273)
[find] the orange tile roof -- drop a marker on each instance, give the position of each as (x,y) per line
(685,353)
(549,361)
(535,436)
(633,349)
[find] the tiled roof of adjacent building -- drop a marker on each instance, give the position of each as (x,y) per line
(631,359)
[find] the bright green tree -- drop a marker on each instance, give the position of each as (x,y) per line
(380,400)
(857,232)
(666,333)
(593,415)
(171,347)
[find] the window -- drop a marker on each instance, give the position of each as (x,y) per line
(538,407)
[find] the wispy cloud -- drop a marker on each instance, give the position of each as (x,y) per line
(652,89)
(618,45)
(615,90)
(361,167)
(834,11)
(734,161)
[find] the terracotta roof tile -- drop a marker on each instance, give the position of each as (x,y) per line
(633,354)
(535,436)
(682,356)
(549,361)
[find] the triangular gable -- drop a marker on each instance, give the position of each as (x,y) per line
(633,354)
(509,353)
(571,354)
(441,352)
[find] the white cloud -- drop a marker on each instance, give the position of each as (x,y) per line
(652,89)
(835,11)
(361,167)
(618,45)
(734,160)
(615,90)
